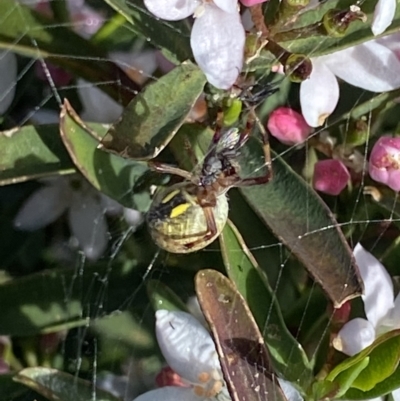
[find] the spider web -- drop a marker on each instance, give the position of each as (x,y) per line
(123,344)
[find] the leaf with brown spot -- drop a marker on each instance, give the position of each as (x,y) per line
(244,358)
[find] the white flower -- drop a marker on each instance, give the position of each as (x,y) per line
(189,350)
(86,212)
(373,66)
(383,16)
(8,79)
(381,309)
(217,37)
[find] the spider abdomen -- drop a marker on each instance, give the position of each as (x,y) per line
(176,220)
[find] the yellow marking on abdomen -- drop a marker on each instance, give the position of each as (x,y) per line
(170,196)
(180,209)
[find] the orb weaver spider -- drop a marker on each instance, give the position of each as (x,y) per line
(188,216)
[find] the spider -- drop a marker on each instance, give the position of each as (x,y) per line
(188,216)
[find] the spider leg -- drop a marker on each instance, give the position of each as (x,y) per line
(266,148)
(192,156)
(211,228)
(168,169)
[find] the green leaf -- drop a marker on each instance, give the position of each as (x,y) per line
(374,102)
(61,298)
(243,356)
(10,390)
(382,357)
(26,32)
(153,117)
(287,354)
(385,387)
(384,360)
(173,38)
(298,38)
(299,217)
(60,386)
(109,173)
(162,297)
(32,152)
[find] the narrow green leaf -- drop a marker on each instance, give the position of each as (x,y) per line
(153,117)
(26,32)
(60,386)
(299,217)
(173,38)
(346,379)
(125,328)
(109,173)
(32,152)
(357,111)
(162,297)
(384,387)
(243,356)
(62,298)
(287,354)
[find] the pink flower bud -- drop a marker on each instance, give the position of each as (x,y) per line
(59,76)
(288,126)
(249,3)
(168,377)
(341,315)
(330,176)
(384,162)
(4,367)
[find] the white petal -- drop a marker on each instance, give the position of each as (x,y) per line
(319,94)
(171,10)
(133,217)
(383,16)
(8,79)
(88,223)
(110,206)
(186,345)
(44,116)
(378,297)
(97,106)
(392,319)
(138,65)
(291,393)
(43,207)
(371,66)
(193,307)
(118,386)
(229,6)
(170,394)
(392,42)
(354,336)
(396,395)
(217,42)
